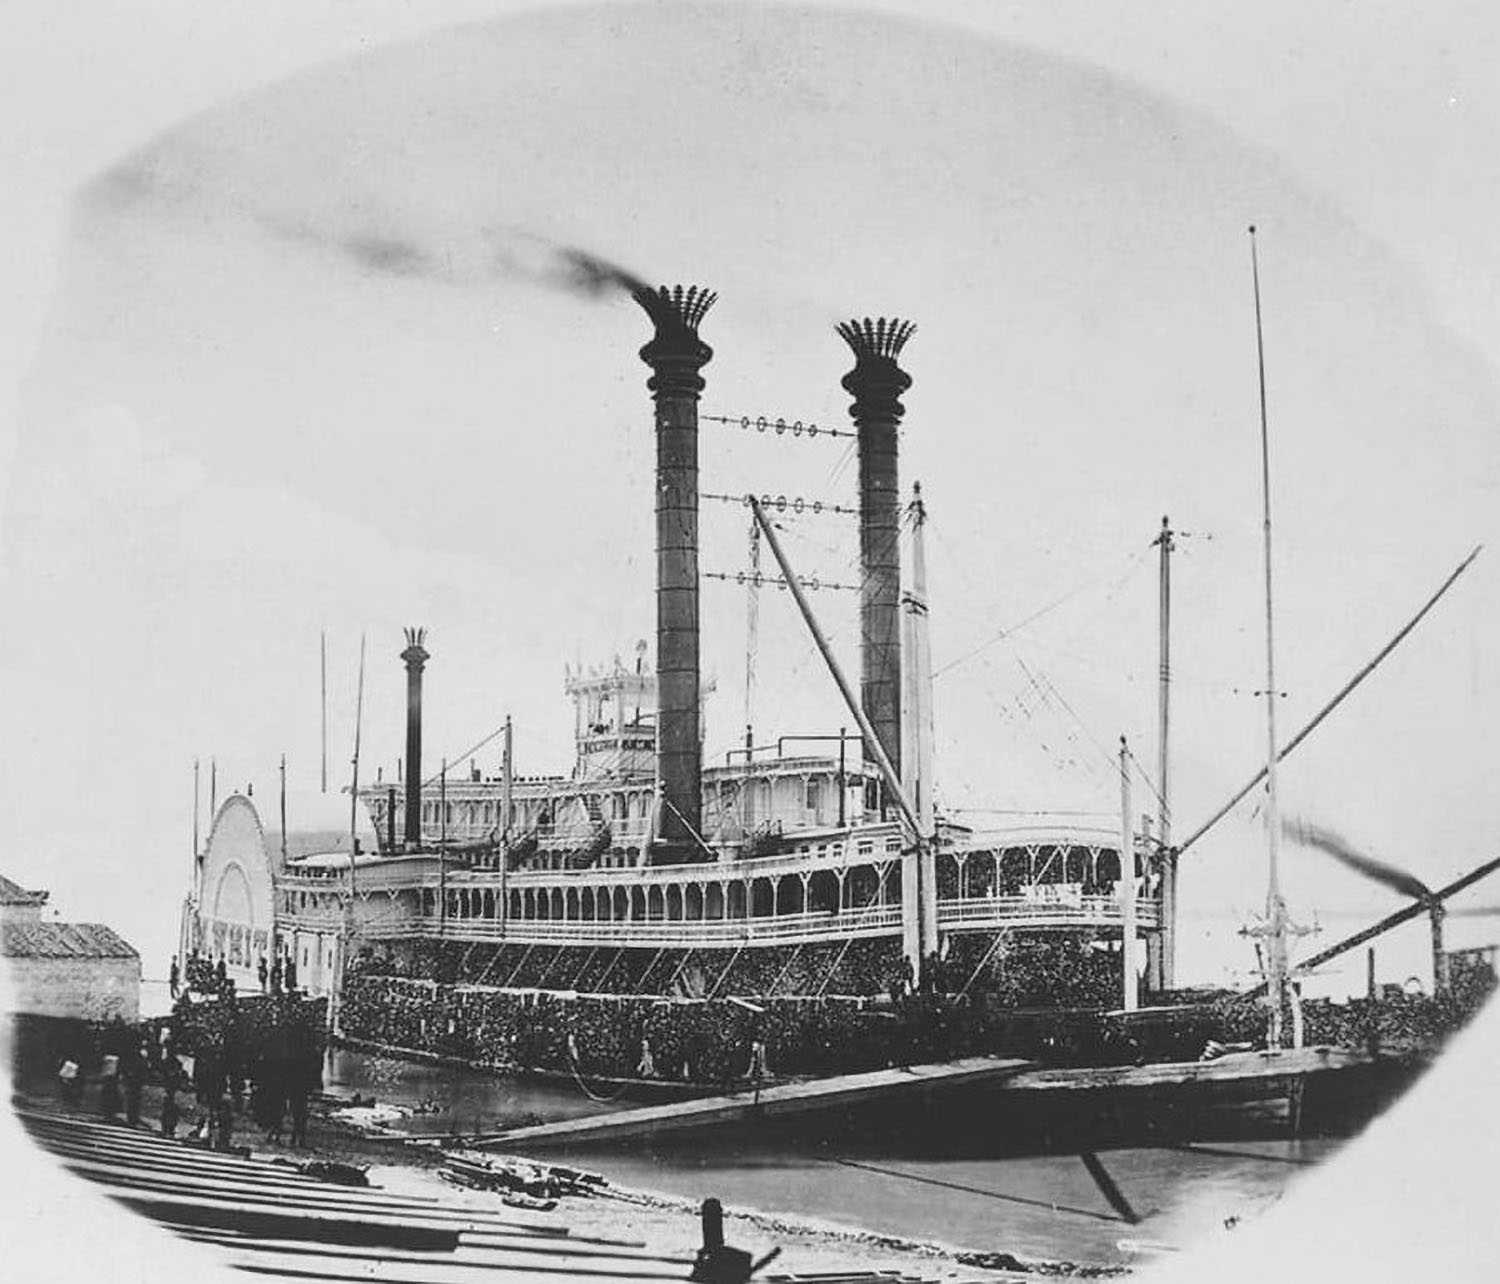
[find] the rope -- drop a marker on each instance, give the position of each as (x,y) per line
(585,1089)
(974,1190)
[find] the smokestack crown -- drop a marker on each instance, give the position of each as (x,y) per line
(415,653)
(877,340)
(675,352)
(876,382)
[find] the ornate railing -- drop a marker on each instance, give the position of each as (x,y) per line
(974,914)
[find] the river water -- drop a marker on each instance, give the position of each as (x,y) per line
(1036,1206)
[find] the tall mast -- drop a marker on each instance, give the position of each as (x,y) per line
(752,646)
(917,735)
(1130,997)
(1166,978)
(1275,906)
(323,702)
(506,782)
(442,846)
(359,712)
(283,809)
(189,910)
(752,629)
(346,932)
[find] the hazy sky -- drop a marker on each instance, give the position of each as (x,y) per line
(289,361)
(267,379)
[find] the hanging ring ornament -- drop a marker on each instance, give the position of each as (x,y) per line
(760,424)
(745,421)
(798,504)
(781,503)
(780,426)
(797,428)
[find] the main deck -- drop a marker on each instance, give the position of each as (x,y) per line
(832,886)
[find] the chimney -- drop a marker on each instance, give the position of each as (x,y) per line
(415,656)
(876,384)
(675,355)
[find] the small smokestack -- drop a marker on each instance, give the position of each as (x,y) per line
(876,384)
(676,354)
(415,656)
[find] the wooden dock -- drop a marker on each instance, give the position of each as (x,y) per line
(775,1100)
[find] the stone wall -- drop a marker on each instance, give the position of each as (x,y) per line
(89,989)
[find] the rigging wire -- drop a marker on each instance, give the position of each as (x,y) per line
(1036,615)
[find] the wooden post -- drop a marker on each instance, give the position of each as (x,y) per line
(1164,975)
(1435,913)
(1131,998)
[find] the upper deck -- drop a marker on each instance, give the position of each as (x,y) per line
(832,883)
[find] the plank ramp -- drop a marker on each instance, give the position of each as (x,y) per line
(778,1099)
(1232,1068)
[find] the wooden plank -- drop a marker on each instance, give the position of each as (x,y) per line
(1238,1067)
(777,1099)
(466,1253)
(270,1260)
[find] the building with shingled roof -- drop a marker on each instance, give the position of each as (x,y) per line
(84,970)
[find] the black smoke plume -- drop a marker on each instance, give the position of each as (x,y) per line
(1306,834)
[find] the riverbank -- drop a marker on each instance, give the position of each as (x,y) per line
(953,1197)
(661,1221)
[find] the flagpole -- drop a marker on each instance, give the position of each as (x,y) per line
(1276,960)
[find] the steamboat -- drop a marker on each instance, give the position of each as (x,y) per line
(645,862)
(649,918)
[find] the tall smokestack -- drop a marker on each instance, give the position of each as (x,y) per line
(415,656)
(676,354)
(876,384)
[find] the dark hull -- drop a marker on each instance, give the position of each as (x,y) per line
(1314,1093)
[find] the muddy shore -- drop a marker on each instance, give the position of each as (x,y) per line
(662,1222)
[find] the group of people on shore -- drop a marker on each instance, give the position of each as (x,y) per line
(259,1058)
